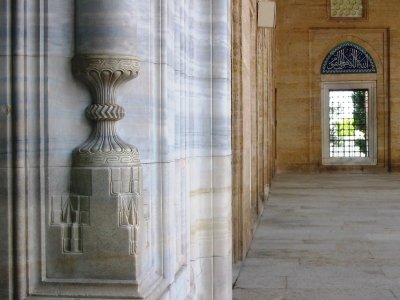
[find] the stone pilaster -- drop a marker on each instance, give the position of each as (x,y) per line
(102,221)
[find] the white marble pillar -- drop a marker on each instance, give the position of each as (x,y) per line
(101,222)
(151,226)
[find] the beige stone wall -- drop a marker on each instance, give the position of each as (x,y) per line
(252,121)
(304,35)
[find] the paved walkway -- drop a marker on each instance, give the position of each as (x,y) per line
(326,237)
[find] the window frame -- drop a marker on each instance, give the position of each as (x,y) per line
(326,87)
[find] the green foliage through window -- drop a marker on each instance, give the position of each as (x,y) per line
(348,115)
(360,117)
(345,128)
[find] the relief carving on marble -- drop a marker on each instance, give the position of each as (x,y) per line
(128,216)
(103,157)
(103,75)
(70,212)
(125,180)
(104,148)
(347,8)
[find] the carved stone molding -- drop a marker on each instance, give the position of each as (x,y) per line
(103,75)
(70,212)
(128,216)
(347,8)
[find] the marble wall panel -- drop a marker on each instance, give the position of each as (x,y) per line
(106,27)
(152,190)
(222,202)
(170,215)
(221,40)
(147,32)
(221,122)
(6,257)
(221,266)
(141,124)
(60,29)
(5,111)
(66,125)
(177,114)
(5,17)
(5,235)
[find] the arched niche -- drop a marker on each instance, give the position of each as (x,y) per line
(348,58)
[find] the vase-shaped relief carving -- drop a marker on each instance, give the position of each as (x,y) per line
(102,218)
(102,76)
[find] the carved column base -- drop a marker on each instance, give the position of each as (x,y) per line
(99,232)
(102,226)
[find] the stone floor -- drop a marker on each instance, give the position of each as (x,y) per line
(326,237)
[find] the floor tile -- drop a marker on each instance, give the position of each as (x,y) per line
(326,237)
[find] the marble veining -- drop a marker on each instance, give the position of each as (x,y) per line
(173,239)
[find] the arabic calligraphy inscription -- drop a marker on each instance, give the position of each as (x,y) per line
(348,58)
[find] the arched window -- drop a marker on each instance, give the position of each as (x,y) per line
(348,108)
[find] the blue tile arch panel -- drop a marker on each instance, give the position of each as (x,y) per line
(348,58)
